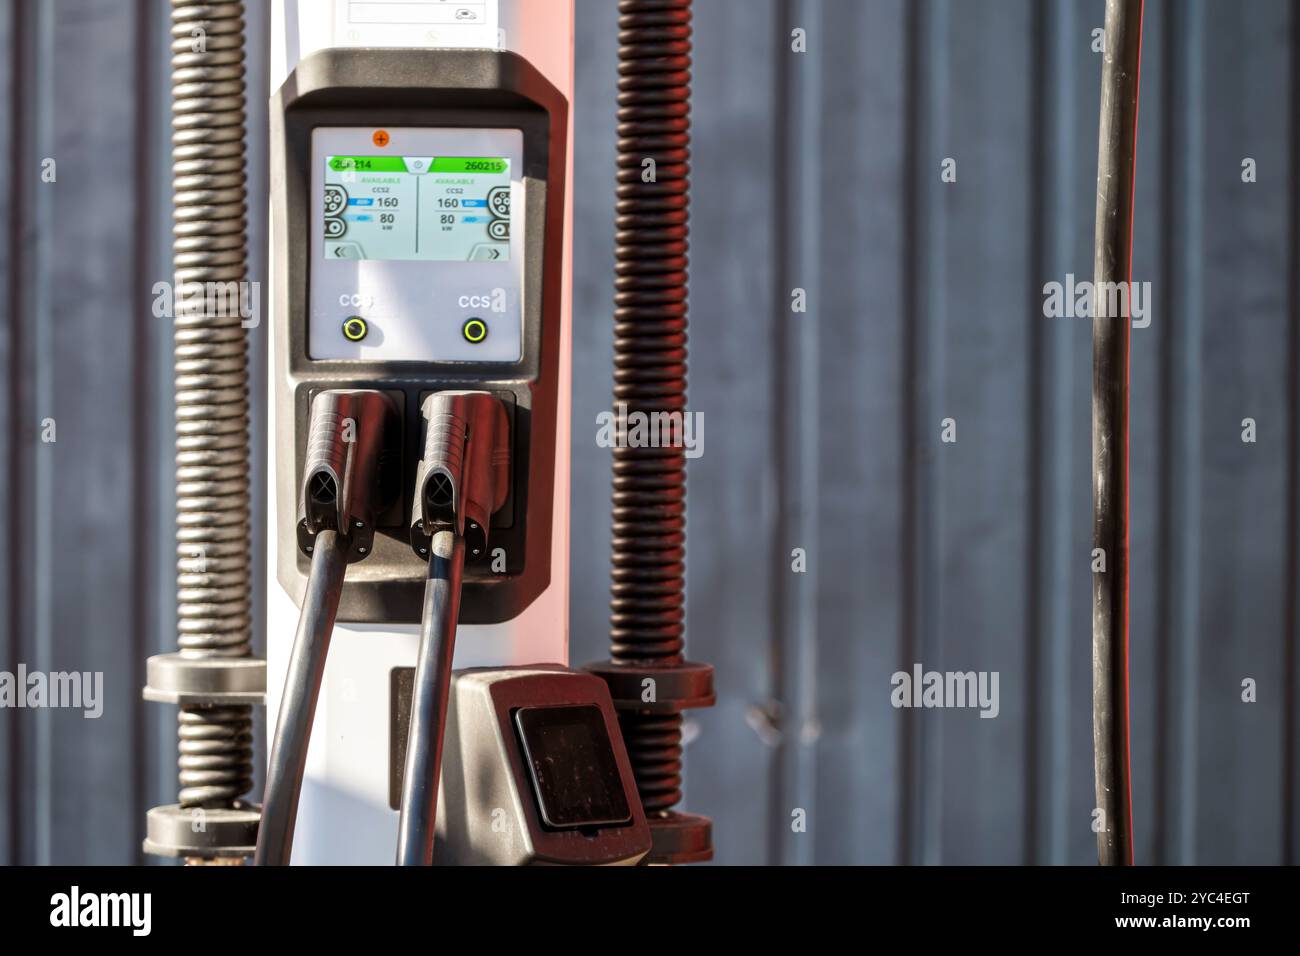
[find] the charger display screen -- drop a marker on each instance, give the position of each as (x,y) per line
(418,243)
(432,208)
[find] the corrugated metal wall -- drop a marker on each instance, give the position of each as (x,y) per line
(817,171)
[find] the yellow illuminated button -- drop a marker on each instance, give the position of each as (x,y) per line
(355,328)
(474,330)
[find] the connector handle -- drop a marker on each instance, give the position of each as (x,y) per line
(464,474)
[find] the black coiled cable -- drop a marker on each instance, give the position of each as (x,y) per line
(649,515)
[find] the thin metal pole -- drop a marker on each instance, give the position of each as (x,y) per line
(1112,264)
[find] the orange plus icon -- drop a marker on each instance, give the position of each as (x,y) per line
(381,137)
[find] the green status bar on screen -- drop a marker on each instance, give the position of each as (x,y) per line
(472,165)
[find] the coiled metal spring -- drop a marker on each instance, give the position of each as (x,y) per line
(649,501)
(216,746)
(650,324)
(211,374)
(654,748)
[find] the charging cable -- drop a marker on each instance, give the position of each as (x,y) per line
(429,699)
(343,488)
(1113,261)
(463,477)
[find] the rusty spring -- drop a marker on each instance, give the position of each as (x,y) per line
(649,500)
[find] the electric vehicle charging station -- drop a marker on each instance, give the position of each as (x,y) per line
(418,403)
(420,216)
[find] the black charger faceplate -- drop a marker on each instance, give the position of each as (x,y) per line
(423,88)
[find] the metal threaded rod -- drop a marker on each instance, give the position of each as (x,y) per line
(654,748)
(649,503)
(211,374)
